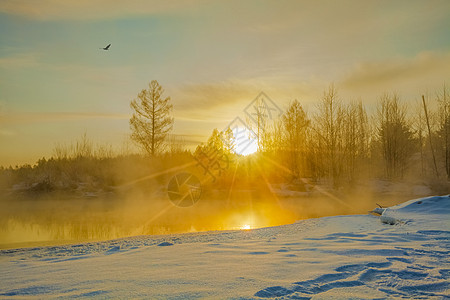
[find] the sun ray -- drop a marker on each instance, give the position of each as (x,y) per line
(266,181)
(232,185)
(174,169)
(155,216)
(319,189)
(167,208)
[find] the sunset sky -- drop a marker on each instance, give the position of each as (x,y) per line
(211,57)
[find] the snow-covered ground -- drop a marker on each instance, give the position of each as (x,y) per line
(404,253)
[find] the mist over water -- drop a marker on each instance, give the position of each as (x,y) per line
(81,200)
(58,218)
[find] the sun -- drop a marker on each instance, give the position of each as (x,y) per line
(245,141)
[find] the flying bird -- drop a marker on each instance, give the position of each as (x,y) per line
(106,48)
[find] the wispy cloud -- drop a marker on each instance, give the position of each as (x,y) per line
(6,133)
(24,60)
(424,71)
(217,100)
(22,118)
(87,10)
(194,97)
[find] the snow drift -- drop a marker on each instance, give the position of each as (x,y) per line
(415,209)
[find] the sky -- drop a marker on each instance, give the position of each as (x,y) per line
(211,57)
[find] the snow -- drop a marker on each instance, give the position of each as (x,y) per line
(358,256)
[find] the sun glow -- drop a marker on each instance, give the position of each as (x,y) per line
(245,141)
(246,227)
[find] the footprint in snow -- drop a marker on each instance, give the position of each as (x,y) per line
(373,275)
(163,244)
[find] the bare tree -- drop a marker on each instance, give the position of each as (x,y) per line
(295,124)
(328,124)
(272,140)
(355,139)
(444,127)
(259,124)
(427,118)
(419,127)
(83,148)
(176,144)
(394,134)
(151,120)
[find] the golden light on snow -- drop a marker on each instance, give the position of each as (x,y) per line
(245,141)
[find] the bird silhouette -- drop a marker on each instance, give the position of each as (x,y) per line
(106,48)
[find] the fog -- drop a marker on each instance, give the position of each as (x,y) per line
(58,218)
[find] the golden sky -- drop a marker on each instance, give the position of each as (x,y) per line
(211,57)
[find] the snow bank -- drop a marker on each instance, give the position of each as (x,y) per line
(339,257)
(416,209)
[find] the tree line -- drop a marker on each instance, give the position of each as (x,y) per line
(342,141)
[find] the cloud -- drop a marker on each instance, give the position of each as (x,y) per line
(189,139)
(25,60)
(49,10)
(205,96)
(6,133)
(26,118)
(236,94)
(224,100)
(427,70)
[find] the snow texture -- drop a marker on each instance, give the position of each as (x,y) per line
(404,253)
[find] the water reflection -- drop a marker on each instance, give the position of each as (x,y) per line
(67,219)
